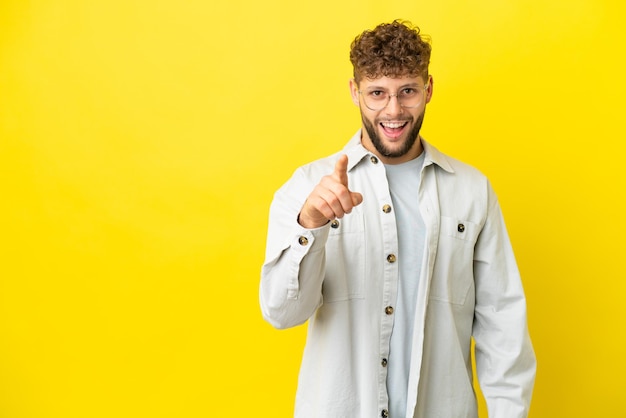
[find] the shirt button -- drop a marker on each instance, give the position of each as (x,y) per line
(460,228)
(384,362)
(303,241)
(384,413)
(389,310)
(334,224)
(386,208)
(374,160)
(391,258)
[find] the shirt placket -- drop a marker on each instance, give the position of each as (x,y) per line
(389,280)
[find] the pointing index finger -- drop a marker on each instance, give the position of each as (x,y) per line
(341,170)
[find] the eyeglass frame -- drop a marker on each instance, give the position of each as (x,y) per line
(396,96)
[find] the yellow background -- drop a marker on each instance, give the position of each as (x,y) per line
(141,143)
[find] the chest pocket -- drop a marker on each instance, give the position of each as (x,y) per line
(345,259)
(453,276)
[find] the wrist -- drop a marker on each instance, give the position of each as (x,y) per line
(309,223)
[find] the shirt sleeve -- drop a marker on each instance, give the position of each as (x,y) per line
(295,259)
(505,360)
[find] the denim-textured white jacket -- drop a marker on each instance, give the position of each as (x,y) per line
(343,279)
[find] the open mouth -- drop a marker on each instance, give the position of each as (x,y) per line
(393,129)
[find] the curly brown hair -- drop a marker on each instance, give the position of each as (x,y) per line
(393,49)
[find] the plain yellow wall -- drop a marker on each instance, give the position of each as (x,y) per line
(141,142)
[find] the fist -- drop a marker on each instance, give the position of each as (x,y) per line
(330,199)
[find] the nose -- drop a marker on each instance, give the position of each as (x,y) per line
(393,107)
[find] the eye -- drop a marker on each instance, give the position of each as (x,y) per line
(408,91)
(377,94)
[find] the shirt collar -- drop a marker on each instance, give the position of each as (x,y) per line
(356,152)
(434,156)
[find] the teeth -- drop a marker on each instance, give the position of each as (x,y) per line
(393,125)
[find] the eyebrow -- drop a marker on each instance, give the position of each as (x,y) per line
(374,87)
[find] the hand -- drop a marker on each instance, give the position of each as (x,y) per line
(330,199)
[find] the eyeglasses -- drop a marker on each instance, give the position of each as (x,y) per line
(408,97)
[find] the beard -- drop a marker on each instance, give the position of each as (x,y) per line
(384,150)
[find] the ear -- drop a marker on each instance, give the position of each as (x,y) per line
(429,90)
(354,92)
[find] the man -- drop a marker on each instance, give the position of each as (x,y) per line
(397,255)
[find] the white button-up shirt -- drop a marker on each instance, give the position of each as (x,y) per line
(343,279)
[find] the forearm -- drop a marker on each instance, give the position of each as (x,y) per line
(291,281)
(505,360)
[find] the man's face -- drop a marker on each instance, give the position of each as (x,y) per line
(392,131)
